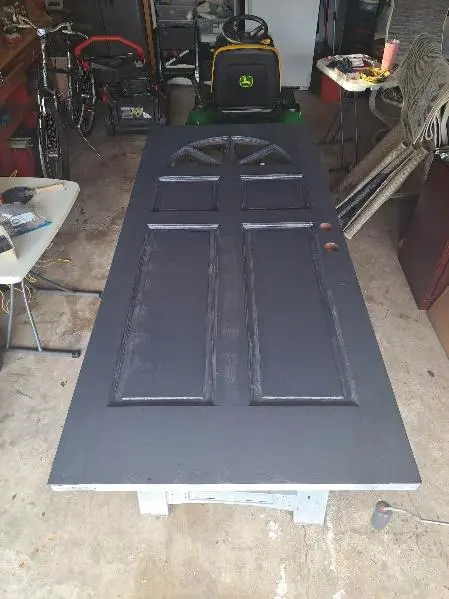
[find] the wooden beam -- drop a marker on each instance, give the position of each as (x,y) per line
(150,33)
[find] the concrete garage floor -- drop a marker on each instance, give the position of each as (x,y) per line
(96,545)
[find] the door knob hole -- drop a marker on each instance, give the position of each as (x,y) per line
(326,227)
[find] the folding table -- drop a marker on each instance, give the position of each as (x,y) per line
(346,86)
(54,205)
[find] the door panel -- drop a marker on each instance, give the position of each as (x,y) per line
(281,192)
(187,193)
(232,344)
(171,331)
(287,306)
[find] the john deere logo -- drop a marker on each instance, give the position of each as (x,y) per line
(246,81)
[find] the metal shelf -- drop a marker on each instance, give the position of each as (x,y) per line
(175,12)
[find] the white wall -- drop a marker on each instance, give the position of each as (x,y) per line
(292,23)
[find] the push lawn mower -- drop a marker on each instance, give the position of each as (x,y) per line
(134,99)
(246,79)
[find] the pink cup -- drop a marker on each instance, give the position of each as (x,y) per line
(390,53)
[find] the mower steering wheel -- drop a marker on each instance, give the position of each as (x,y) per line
(234,35)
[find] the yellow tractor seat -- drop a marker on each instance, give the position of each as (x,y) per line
(246,77)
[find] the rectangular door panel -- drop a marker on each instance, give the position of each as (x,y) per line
(187,193)
(273,192)
(172,324)
(296,355)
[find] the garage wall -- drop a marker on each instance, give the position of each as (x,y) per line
(293,27)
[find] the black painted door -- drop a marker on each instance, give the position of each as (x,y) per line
(232,344)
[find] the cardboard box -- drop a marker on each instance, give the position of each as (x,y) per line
(439,317)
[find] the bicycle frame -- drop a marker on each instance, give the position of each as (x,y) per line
(42,35)
(46,68)
(45,89)
(68,71)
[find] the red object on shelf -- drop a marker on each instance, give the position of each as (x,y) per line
(329,90)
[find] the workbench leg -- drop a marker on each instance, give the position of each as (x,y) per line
(153,503)
(310,507)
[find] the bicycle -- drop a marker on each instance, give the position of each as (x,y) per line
(79,105)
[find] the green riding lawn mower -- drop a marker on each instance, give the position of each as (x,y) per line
(245,84)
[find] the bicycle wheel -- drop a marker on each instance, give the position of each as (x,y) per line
(52,143)
(83,101)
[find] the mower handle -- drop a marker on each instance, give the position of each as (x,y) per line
(109,38)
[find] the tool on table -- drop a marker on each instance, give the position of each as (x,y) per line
(374,75)
(344,65)
(23,195)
